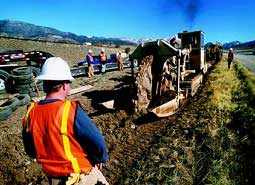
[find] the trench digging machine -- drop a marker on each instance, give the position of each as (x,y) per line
(167,75)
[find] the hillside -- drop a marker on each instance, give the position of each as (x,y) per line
(23,30)
(17,29)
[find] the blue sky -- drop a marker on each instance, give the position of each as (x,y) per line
(221,20)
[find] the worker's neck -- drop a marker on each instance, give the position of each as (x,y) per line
(56,95)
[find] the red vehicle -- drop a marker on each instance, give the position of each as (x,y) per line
(11,59)
(11,55)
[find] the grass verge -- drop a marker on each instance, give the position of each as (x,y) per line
(212,139)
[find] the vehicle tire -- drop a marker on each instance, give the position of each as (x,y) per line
(22,71)
(3,80)
(25,88)
(5,112)
(24,99)
(12,103)
(23,79)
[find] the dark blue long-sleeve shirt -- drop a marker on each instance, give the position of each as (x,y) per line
(90,137)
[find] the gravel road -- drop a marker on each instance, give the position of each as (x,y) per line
(246,60)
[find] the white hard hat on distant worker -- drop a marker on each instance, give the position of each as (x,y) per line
(102,50)
(55,68)
(90,51)
(231,49)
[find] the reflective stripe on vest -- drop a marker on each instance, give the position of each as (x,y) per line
(65,138)
(26,116)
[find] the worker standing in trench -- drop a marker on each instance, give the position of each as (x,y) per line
(59,133)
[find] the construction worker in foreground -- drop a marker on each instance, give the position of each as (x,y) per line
(59,133)
(102,59)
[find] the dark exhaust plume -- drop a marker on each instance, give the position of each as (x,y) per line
(189,8)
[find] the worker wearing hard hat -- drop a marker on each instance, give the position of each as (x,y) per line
(59,133)
(102,59)
(230,57)
(89,59)
(175,41)
(120,61)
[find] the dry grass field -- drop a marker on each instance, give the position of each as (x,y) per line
(72,53)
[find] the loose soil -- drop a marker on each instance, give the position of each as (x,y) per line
(129,136)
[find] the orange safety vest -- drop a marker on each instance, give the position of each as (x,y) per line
(52,129)
(119,57)
(102,57)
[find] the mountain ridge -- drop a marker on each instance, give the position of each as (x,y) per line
(23,30)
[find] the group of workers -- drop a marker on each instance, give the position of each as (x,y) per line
(103,61)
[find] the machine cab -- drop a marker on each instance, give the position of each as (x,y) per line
(195,41)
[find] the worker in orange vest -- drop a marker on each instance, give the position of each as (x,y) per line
(59,133)
(120,62)
(103,60)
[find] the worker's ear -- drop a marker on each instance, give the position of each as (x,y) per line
(65,85)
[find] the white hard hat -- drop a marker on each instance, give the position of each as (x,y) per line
(55,68)
(102,50)
(90,51)
(231,49)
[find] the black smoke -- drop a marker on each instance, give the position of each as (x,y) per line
(190,9)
